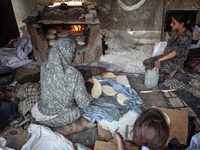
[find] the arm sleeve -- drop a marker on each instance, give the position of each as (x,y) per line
(82,97)
(89,86)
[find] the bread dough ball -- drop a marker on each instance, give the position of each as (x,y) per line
(52,42)
(52,31)
(50,36)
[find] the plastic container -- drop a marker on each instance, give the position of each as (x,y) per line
(151,77)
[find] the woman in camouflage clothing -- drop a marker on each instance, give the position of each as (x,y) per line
(177,48)
(63,91)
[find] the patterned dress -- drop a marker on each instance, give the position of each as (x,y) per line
(63,91)
(181,45)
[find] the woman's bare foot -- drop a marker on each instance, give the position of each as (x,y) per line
(170,75)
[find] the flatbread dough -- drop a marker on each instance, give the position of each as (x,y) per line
(81,38)
(63,34)
(166,118)
(81,42)
(76,32)
(121,98)
(96,89)
(108,90)
(109,75)
(50,36)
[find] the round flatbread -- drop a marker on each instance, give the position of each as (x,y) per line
(76,32)
(166,118)
(96,89)
(52,42)
(52,31)
(63,34)
(109,75)
(50,36)
(81,42)
(121,98)
(80,38)
(108,90)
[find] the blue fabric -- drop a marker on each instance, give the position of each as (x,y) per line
(107,107)
(145,148)
(134,99)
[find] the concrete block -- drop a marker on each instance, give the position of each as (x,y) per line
(85,4)
(94,12)
(89,18)
(38,29)
(40,9)
(91,7)
(33,17)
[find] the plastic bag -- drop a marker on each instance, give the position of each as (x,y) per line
(43,138)
(159,48)
(195,142)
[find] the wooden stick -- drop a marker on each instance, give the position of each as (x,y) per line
(158,91)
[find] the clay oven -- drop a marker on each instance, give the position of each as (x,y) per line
(80,23)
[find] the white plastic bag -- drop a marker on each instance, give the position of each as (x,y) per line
(8,57)
(159,48)
(195,142)
(43,138)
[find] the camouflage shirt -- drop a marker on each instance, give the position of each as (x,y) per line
(63,91)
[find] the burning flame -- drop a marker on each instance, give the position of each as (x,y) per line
(77,27)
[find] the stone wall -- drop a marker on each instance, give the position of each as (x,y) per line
(121,14)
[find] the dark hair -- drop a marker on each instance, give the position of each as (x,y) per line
(183,17)
(151,130)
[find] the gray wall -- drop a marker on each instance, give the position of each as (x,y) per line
(147,17)
(22,9)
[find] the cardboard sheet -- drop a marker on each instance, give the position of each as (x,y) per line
(178,124)
(100,145)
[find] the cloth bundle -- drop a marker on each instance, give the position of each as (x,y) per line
(107,107)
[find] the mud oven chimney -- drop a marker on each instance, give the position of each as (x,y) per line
(80,23)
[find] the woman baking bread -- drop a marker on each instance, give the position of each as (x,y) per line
(177,48)
(63,90)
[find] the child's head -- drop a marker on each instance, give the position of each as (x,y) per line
(151,130)
(181,18)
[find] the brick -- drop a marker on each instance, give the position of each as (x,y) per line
(89,18)
(176,102)
(94,12)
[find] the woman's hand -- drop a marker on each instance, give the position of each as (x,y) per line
(119,139)
(157,63)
